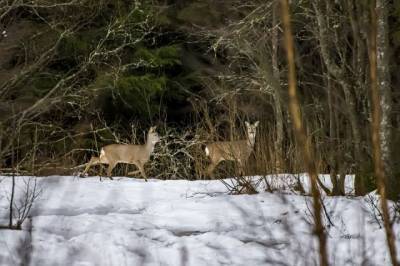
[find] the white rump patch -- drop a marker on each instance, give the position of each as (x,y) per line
(207,151)
(102,153)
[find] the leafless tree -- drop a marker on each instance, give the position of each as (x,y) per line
(294,108)
(378,65)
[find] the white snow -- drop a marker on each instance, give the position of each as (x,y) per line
(131,222)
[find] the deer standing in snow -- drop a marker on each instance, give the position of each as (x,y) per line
(126,153)
(238,150)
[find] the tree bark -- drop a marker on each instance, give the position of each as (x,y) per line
(377,18)
(277,97)
(383,75)
(304,141)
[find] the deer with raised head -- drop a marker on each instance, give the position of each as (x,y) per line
(237,150)
(126,153)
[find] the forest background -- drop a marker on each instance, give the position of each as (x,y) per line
(79,74)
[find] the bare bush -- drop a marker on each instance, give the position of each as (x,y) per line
(178,156)
(22,197)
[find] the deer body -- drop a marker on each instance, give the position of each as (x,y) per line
(238,151)
(126,153)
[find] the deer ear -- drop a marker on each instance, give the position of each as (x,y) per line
(247,124)
(256,123)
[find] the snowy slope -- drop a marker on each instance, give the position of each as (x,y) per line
(131,222)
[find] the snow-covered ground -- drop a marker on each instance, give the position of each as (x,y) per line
(130,222)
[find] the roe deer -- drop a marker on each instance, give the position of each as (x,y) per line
(238,150)
(126,153)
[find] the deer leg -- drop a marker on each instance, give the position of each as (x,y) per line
(134,172)
(141,169)
(211,167)
(93,161)
(241,168)
(109,170)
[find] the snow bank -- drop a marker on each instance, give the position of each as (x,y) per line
(131,222)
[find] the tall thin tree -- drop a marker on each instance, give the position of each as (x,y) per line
(378,127)
(304,142)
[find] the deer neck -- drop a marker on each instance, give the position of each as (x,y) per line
(149,145)
(251,140)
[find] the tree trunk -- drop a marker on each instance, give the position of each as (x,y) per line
(278,144)
(303,140)
(333,143)
(383,75)
(378,18)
